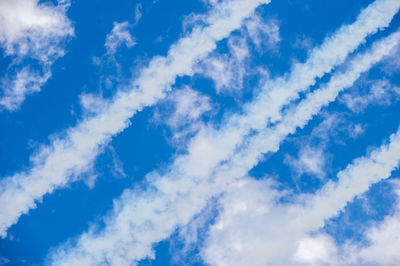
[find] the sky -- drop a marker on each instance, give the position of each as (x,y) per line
(199,132)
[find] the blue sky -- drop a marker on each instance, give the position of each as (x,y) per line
(199,132)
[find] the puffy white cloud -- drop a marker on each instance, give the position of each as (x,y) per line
(311,161)
(29,29)
(316,250)
(325,204)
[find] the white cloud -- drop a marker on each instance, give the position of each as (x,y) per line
(189,236)
(254,229)
(379,248)
(92,103)
(331,199)
(24,83)
(265,35)
(29,29)
(69,156)
(380,92)
(334,124)
(355,130)
(118,36)
(228,70)
(138,13)
(189,106)
(392,67)
(238,234)
(311,161)
(182,111)
(383,244)
(313,155)
(269,141)
(317,250)
(142,218)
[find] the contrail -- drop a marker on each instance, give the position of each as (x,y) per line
(354,180)
(142,218)
(278,228)
(68,157)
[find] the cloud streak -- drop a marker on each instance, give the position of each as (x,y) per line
(277,234)
(143,217)
(67,157)
(327,203)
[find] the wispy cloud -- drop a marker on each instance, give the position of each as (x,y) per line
(311,161)
(379,246)
(26,81)
(143,217)
(228,70)
(182,111)
(383,242)
(118,36)
(380,92)
(69,156)
(331,199)
(265,35)
(278,233)
(38,31)
(313,155)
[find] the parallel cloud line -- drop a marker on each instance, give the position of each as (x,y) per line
(140,219)
(68,157)
(280,227)
(334,196)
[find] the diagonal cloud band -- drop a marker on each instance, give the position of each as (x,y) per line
(70,156)
(299,220)
(142,218)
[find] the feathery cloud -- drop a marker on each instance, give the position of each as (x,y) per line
(278,233)
(143,217)
(69,156)
(118,36)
